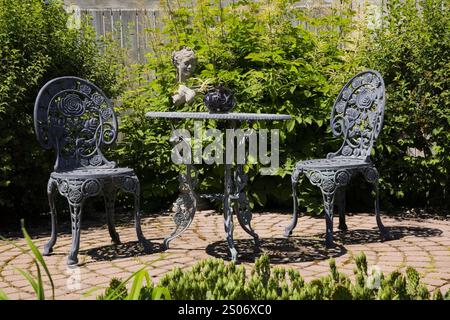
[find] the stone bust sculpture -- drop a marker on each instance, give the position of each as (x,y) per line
(185,62)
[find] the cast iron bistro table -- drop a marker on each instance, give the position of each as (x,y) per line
(185,205)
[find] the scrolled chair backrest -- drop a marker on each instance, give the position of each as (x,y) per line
(357,115)
(74,117)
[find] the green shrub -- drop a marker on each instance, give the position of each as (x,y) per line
(271,64)
(36,46)
(215,279)
(411,50)
(275,66)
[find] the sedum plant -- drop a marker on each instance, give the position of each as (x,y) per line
(214,279)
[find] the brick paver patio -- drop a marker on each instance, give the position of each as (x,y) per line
(423,244)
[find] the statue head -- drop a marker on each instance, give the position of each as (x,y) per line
(185,62)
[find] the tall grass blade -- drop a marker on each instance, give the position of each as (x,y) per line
(113,294)
(3,295)
(92,290)
(158,292)
(41,295)
(38,256)
(137,285)
(31,280)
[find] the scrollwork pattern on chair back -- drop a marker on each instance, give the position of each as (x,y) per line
(358,113)
(74,117)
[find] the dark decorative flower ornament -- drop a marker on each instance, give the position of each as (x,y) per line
(219,100)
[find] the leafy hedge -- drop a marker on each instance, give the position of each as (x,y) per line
(35,46)
(275,66)
(213,279)
(271,64)
(412,51)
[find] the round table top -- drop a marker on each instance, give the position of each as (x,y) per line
(220,116)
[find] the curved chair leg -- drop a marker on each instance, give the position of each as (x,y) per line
(340,195)
(383,231)
(109,196)
(293,224)
(130,184)
(372,176)
(51,193)
(328,200)
(75,216)
(137,219)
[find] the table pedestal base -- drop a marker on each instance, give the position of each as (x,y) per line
(234,201)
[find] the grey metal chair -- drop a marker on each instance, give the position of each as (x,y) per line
(74,117)
(357,116)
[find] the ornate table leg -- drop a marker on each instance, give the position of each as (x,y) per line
(241,205)
(185,205)
(51,192)
(293,224)
(109,195)
(371,175)
(228,212)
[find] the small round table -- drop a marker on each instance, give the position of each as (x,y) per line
(234,197)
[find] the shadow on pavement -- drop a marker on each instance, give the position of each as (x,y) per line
(120,251)
(279,250)
(362,236)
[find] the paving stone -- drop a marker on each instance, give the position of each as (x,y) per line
(428,252)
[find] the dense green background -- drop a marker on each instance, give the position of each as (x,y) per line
(275,66)
(36,46)
(272,65)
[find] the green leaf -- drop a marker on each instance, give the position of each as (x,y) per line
(3,295)
(34,284)
(290,125)
(159,292)
(38,257)
(137,284)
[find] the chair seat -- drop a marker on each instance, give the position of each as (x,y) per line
(92,173)
(333,163)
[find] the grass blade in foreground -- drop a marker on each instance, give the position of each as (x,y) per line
(38,257)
